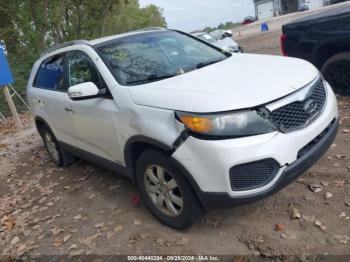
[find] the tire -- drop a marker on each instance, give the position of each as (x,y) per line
(336,70)
(240,49)
(59,156)
(177,216)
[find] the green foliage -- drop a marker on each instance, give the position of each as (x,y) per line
(224,26)
(209,29)
(28,27)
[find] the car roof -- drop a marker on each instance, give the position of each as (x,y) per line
(102,39)
(136,32)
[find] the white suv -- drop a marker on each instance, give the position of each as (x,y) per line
(195,127)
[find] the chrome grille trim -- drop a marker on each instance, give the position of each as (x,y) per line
(299,95)
(301,108)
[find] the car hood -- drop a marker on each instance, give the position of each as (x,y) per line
(241,81)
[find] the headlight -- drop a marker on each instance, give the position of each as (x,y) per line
(234,124)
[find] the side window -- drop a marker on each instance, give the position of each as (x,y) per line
(81,69)
(50,74)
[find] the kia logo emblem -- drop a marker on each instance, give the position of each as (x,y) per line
(310,106)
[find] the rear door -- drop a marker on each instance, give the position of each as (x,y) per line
(93,120)
(49,94)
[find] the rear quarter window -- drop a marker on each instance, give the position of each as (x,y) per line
(50,74)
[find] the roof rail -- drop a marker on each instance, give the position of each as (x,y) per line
(56,47)
(150,29)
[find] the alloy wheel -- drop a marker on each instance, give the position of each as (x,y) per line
(51,147)
(163,190)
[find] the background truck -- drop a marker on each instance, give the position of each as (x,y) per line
(324,40)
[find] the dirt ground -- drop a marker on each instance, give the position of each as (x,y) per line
(85,209)
(262,43)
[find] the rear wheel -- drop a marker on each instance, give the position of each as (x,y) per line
(57,154)
(165,191)
(336,70)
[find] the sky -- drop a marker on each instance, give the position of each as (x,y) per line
(189,15)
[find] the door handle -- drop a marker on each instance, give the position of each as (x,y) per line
(68,109)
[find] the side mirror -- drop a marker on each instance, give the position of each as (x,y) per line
(83,91)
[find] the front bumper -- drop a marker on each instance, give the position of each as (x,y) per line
(290,173)
(209,161)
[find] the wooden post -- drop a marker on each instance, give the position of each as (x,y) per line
(12,107)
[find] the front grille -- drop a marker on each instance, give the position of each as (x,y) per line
(299,113)
(253,175)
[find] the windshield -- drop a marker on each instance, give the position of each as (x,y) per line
(153,56)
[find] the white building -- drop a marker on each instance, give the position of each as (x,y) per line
(265,9)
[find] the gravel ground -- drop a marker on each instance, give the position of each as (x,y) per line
(85,209)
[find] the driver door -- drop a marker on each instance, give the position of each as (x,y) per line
(93,120)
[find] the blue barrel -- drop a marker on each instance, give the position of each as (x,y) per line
(264,27)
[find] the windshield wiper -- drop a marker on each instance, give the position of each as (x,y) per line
(149,79)
(203,64)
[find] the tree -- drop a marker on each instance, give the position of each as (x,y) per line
(37,24)
(28,27)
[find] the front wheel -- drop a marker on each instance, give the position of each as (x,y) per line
(336,70)
(165,191)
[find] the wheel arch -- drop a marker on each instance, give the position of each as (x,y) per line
(330,48)
(40,123)
(136,145)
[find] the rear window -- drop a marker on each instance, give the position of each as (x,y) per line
(50,74)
